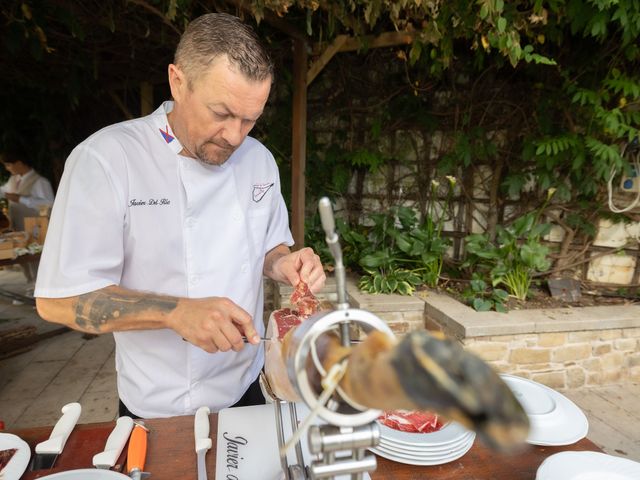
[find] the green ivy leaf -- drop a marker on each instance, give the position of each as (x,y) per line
(502,24)
(482,305)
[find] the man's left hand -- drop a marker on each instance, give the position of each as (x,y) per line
(302,264)
(14,197)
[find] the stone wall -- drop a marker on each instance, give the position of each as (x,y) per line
(561,348)
(565,359)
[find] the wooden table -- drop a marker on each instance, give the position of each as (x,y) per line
(171,455)
(19,260)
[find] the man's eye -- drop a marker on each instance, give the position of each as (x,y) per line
(221,116)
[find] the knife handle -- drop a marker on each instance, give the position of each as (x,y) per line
(137,452)
(115,443)
(201,429)
(62,430)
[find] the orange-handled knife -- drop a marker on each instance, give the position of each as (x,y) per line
(137,452)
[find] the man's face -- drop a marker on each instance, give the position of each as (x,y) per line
(10,167)
(214,116)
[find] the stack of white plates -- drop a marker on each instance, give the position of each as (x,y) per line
(587,466)
(446,445)
(554,419)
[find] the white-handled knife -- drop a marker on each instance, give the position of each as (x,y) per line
(203,442)
(48,451)
(115,443)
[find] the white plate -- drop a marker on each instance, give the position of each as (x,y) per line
(409,460)
(427,455)
(426,448)
(451,432)
(18,463)
(554,419)
(534,399)
(87,474)
(587,466)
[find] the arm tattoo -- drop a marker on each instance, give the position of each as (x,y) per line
(96,309)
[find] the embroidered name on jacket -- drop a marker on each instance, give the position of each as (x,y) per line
(260,190)
(151,201)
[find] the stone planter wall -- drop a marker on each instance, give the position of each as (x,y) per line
(561,348)
(565,359)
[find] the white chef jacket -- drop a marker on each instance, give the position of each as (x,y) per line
(35,191)
(131,211)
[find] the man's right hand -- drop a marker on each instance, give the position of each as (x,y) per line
(214,324)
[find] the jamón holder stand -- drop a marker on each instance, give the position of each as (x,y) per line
(340,446)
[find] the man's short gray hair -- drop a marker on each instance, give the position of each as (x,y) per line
(216,34)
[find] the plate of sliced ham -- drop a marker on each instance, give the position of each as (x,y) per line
(418,428)
(421,438)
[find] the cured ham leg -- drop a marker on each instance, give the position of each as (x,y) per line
(281,324)
(418,373)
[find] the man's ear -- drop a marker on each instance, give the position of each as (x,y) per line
(177,82)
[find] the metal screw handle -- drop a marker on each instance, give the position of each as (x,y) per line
(333,241)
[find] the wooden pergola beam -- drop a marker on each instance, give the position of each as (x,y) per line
(326,57)
(387,39)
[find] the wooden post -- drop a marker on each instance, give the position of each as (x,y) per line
(146,98)
(299,141)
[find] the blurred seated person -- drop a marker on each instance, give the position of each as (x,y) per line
(26,191)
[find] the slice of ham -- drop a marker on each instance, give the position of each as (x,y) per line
(281,323)
(305,302)
(285,320)
(411,421)
(6,456)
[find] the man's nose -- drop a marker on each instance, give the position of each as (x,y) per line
(233,132)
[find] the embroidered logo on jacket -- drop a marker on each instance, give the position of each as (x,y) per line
(166,135)
(260,190)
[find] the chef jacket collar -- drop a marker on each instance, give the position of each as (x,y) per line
(171,141)
(165,134)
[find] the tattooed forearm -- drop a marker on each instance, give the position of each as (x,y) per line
(95,310)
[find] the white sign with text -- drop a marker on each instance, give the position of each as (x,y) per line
(247,446)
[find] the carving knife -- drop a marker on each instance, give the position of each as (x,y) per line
(265,339)
(203,442)
(137,452)
(115,443)
(48,451)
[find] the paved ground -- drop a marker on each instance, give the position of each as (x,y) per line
(75,367)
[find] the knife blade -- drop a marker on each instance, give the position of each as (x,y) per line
(47,452)
(115,443)
(203,442)
(265,339)
(137,452)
